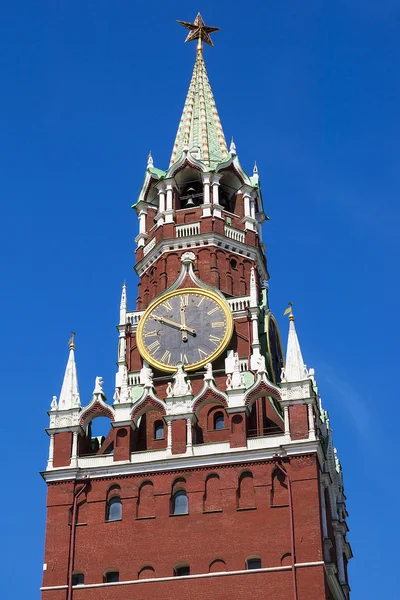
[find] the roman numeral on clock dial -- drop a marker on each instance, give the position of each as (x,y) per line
(214,339)
(166,357)
(154,346)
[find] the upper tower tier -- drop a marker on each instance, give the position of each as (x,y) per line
(204,201)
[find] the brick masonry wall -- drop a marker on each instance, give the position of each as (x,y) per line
(198,538)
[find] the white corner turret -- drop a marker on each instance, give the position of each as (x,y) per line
(69,396)
(122,306)
(295,369)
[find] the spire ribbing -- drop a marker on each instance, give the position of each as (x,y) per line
(200,128)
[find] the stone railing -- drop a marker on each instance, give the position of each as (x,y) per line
(97,460)
(187,230)
(237,304)
(234,234)
(134,316)
(134,378)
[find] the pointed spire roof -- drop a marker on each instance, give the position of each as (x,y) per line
(295,369)
(200,127)
(69,396)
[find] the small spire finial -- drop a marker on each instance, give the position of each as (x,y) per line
(149,160)
(289,311)
(71,342)
(255,169)
(199,31)
(232,148)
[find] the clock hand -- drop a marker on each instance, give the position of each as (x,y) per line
(183,325)
(173,324)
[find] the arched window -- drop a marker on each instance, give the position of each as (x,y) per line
(180,504)
(111,577)
(219,421)
(253,563)
(158,430)
(78,579)
(146,572)
(182,570)
(114,509)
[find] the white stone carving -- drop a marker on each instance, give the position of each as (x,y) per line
(181,385)
(235,379)
(98,386)
(188,257)
(208,376)
(146,377)
(53,405)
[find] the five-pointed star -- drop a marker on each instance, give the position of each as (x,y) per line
(199,30)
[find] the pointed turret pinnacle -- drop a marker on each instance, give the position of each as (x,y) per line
(200,127)
(69,396)
(122,306)
(295,369)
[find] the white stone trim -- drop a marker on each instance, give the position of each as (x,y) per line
(182,461)
(194,576)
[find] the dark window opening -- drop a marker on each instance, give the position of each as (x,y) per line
(114,509)
(219,421)
(78,579)
(111,577)
(180,503)
(253,563)
(233,264)
(158,430)
(182,571)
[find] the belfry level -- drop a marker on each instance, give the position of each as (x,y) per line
(217,476)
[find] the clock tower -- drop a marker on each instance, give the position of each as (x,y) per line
(218,477)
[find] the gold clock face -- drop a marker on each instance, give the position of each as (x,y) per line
(190,325)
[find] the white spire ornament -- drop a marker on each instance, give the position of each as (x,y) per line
(69,396)
(122,306)
(295,369)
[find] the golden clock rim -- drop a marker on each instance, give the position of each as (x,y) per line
(196,366)
(270,316)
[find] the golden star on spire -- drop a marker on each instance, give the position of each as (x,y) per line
(199,31)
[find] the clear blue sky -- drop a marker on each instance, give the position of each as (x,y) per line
(308,89)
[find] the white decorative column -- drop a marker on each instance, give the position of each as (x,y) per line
(206,195)
(286,421)
(311,425)
(51,452)
(189,439)
(161,204)
(169,437)
(217,209)
(169,213)
(141,238)
(249,219)
(74,454)
(254,312)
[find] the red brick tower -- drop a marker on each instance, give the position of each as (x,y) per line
(218,477)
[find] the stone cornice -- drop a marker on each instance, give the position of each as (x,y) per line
(179,462)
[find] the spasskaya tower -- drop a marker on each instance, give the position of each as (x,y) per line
(218,477)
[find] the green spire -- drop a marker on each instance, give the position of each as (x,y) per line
(200,128)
